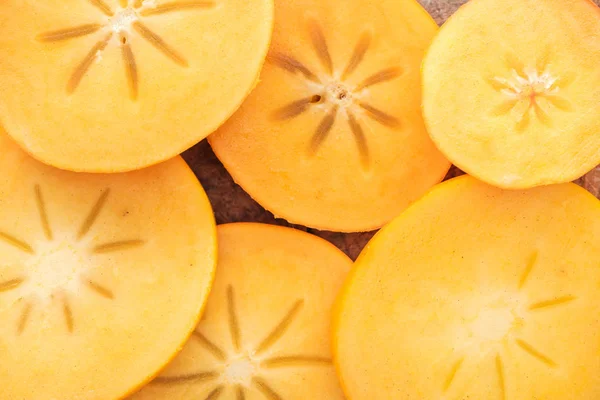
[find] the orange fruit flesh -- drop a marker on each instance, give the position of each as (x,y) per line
(332,137)
(112,86)
(510,90)
(102,278)
(266,329)
(478,293)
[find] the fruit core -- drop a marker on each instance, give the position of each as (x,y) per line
(240,371)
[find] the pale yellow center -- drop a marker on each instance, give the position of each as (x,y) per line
(338,93)
(56,266)
(529,85)
(492,324)
(240,371)
(123,19)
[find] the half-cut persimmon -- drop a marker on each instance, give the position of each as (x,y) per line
(265,333)
(477,293)
(511,90)
(332,137)
(102,277)
(116,85)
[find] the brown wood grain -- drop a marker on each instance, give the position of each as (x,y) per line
(232,204)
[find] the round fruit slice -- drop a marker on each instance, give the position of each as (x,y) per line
(112,86)
(265,333)
(477,293)
(332,137)
(511,91)
(102,277)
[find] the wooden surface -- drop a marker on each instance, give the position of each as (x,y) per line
(232,204)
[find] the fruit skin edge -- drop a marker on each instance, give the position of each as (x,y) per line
(190,145)
(201,158)
(575,177)
(205,203)
(338,304)
(186,146)
(443,15)
(595,175)
(150,377)
(318,227)
(591,182)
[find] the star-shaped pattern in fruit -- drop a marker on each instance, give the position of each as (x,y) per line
(244,370)
(334,94)
(45,277)
(511,335)
(116,29)
(529,92)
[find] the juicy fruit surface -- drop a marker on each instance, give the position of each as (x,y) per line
(477,293)
(522,111)
(265,333)
(107,85)
(332,137)
(102,277)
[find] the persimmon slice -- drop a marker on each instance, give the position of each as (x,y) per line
(113,86)
(265,333)
(332,137)
(102,277)
(477,293)
(511,91)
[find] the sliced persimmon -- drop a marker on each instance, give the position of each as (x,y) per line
(102,277)
(265,333)
(511,90)
(332,137)
(113,86)
(477,293)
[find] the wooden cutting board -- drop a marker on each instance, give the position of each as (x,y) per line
(232,204)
